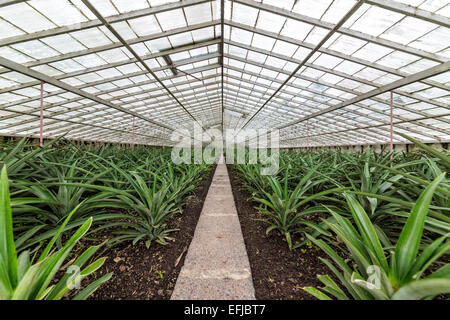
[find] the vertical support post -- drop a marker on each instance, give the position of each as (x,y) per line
(307,134)
(133,132)
(41,132)
(392,127)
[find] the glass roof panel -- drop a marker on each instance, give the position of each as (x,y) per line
(161,62)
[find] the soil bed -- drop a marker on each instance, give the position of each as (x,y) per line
(143,274)
(277,272)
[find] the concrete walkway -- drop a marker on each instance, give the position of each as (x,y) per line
(216,265)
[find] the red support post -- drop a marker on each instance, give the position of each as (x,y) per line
(133,131)
(307,134)
(41,134)
(392,127)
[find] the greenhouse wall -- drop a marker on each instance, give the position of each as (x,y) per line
(398,147)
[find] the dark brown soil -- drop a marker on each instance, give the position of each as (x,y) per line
(141,273)
(277,272)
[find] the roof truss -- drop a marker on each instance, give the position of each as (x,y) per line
(233,63)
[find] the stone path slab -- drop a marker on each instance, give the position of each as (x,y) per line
(216,265)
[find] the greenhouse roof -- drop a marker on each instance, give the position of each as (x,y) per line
(321,71)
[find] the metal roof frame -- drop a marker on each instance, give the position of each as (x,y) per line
(235,55)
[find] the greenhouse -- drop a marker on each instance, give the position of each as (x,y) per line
(224,150)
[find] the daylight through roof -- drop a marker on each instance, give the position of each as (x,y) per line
(323,72)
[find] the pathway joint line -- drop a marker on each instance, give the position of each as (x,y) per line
(217,274)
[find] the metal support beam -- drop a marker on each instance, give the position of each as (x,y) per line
(133,52)
(316,92)
(116,45)
(335,72)
(411,11)
(392,126)
(318,46)
(282,103)
(222,48)
(333,53)
(323,83)
(94,23)
(345,31)
(391,86)
(92,130)
(41,122)
(77,91)
(113,117)
(306,104)
(238,101)
(133,129)
(373,126)
(57,92)
(4,3)
(371,130)
(43,77)
(307,134)
(119,64)
(372,133)
(82,124)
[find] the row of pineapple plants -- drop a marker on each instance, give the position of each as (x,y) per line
(52,197)
(388,212)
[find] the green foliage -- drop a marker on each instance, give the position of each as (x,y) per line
(386,194)
(133,192)
(370,202)
(64,191)
(281,205)
(25,278)
(401,273)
